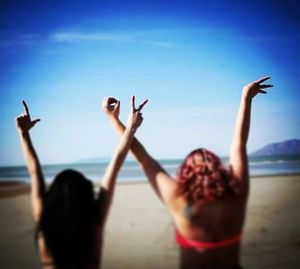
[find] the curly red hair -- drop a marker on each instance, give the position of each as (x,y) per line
(203,177)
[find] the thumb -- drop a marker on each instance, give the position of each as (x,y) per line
(117,105)
(34,122)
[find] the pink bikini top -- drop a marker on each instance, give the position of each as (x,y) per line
(190,243)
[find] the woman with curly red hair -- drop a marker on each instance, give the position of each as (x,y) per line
(202,176)
(207,201)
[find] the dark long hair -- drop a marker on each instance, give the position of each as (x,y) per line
(202,176)
(68,219)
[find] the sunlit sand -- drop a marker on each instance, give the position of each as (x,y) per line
(139,232)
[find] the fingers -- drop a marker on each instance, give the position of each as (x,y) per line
(113,106)
(110,104)
(104,102)
(18,118)
(262,79)
(139,119)
(263,86)
(142,105)
(34,122)
(133,103)
(111,100)
(26,110)
(118,105)
(108,101)
(21,116)
(259,87)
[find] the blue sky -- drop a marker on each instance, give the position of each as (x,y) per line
(189,58)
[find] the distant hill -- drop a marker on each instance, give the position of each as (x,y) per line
(288,147)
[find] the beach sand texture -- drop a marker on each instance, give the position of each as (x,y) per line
(139,232)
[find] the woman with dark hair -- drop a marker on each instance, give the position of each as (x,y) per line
(69,219)
(207,201)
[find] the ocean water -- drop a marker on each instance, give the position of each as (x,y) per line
(131,172)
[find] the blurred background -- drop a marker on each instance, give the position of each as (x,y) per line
(189,58)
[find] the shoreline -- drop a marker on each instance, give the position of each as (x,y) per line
(16,187)
(13,188)
(7,182)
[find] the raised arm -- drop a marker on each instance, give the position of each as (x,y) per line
(238,151)
(24,124)
(108,182)
(161,182)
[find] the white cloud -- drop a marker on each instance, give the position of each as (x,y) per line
(79,37)
(13,40)
(142,37)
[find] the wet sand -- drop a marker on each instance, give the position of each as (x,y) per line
(139,232)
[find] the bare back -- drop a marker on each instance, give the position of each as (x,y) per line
(210,222)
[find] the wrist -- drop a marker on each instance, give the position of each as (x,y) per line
(112,117)
(133,129)
(23,133)
(246,97)
(115,121)
(130,130)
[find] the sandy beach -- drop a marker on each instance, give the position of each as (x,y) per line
(139,232)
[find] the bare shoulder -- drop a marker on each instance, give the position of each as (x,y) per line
(240,187)
(167,186)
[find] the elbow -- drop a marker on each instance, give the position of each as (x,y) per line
(237,150)
(33,167)
(34,171)
(238,145)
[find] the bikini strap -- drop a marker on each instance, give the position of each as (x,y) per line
(190,243)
